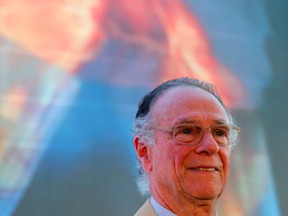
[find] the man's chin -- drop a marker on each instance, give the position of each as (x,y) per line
(205,193)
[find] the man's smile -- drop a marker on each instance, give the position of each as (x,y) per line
(206,169)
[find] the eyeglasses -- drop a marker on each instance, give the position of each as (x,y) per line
(191,134)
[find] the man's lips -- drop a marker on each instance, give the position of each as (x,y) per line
(204,168)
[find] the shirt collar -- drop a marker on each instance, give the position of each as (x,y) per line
(159,209)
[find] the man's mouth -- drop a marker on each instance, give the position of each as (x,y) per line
(207,169)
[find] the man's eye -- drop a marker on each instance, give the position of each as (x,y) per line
(190,130)
(221,133)
(186,130)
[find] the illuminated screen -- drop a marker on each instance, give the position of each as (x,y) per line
(73,72)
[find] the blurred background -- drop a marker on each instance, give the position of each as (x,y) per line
(71,76)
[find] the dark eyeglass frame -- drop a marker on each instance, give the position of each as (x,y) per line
(232,138)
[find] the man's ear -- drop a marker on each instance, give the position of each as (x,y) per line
(144,154)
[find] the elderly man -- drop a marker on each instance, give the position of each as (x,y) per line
(183,138)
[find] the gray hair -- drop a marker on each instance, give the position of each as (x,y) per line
(142,123)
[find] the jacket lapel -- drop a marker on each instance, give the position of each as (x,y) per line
(146,210)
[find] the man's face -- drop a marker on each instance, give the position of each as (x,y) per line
(199,171)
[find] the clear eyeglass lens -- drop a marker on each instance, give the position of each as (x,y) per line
(188,134)
(192,134)
(221,134)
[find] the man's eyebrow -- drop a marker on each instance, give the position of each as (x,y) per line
(220,121)
(185,121)
(191,121)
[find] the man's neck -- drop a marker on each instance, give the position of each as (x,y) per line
(184,207)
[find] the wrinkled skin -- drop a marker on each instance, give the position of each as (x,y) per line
(176,181)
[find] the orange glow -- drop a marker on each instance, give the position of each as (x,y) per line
(13,103)
(56,30)
(169,30)
(67,33)
(189,52)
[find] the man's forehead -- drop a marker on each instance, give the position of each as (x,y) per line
(186,98)
(181,94)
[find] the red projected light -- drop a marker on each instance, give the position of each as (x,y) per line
(74,30)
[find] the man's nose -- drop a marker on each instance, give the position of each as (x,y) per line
(207,145)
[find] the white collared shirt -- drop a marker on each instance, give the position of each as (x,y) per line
(159,209)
